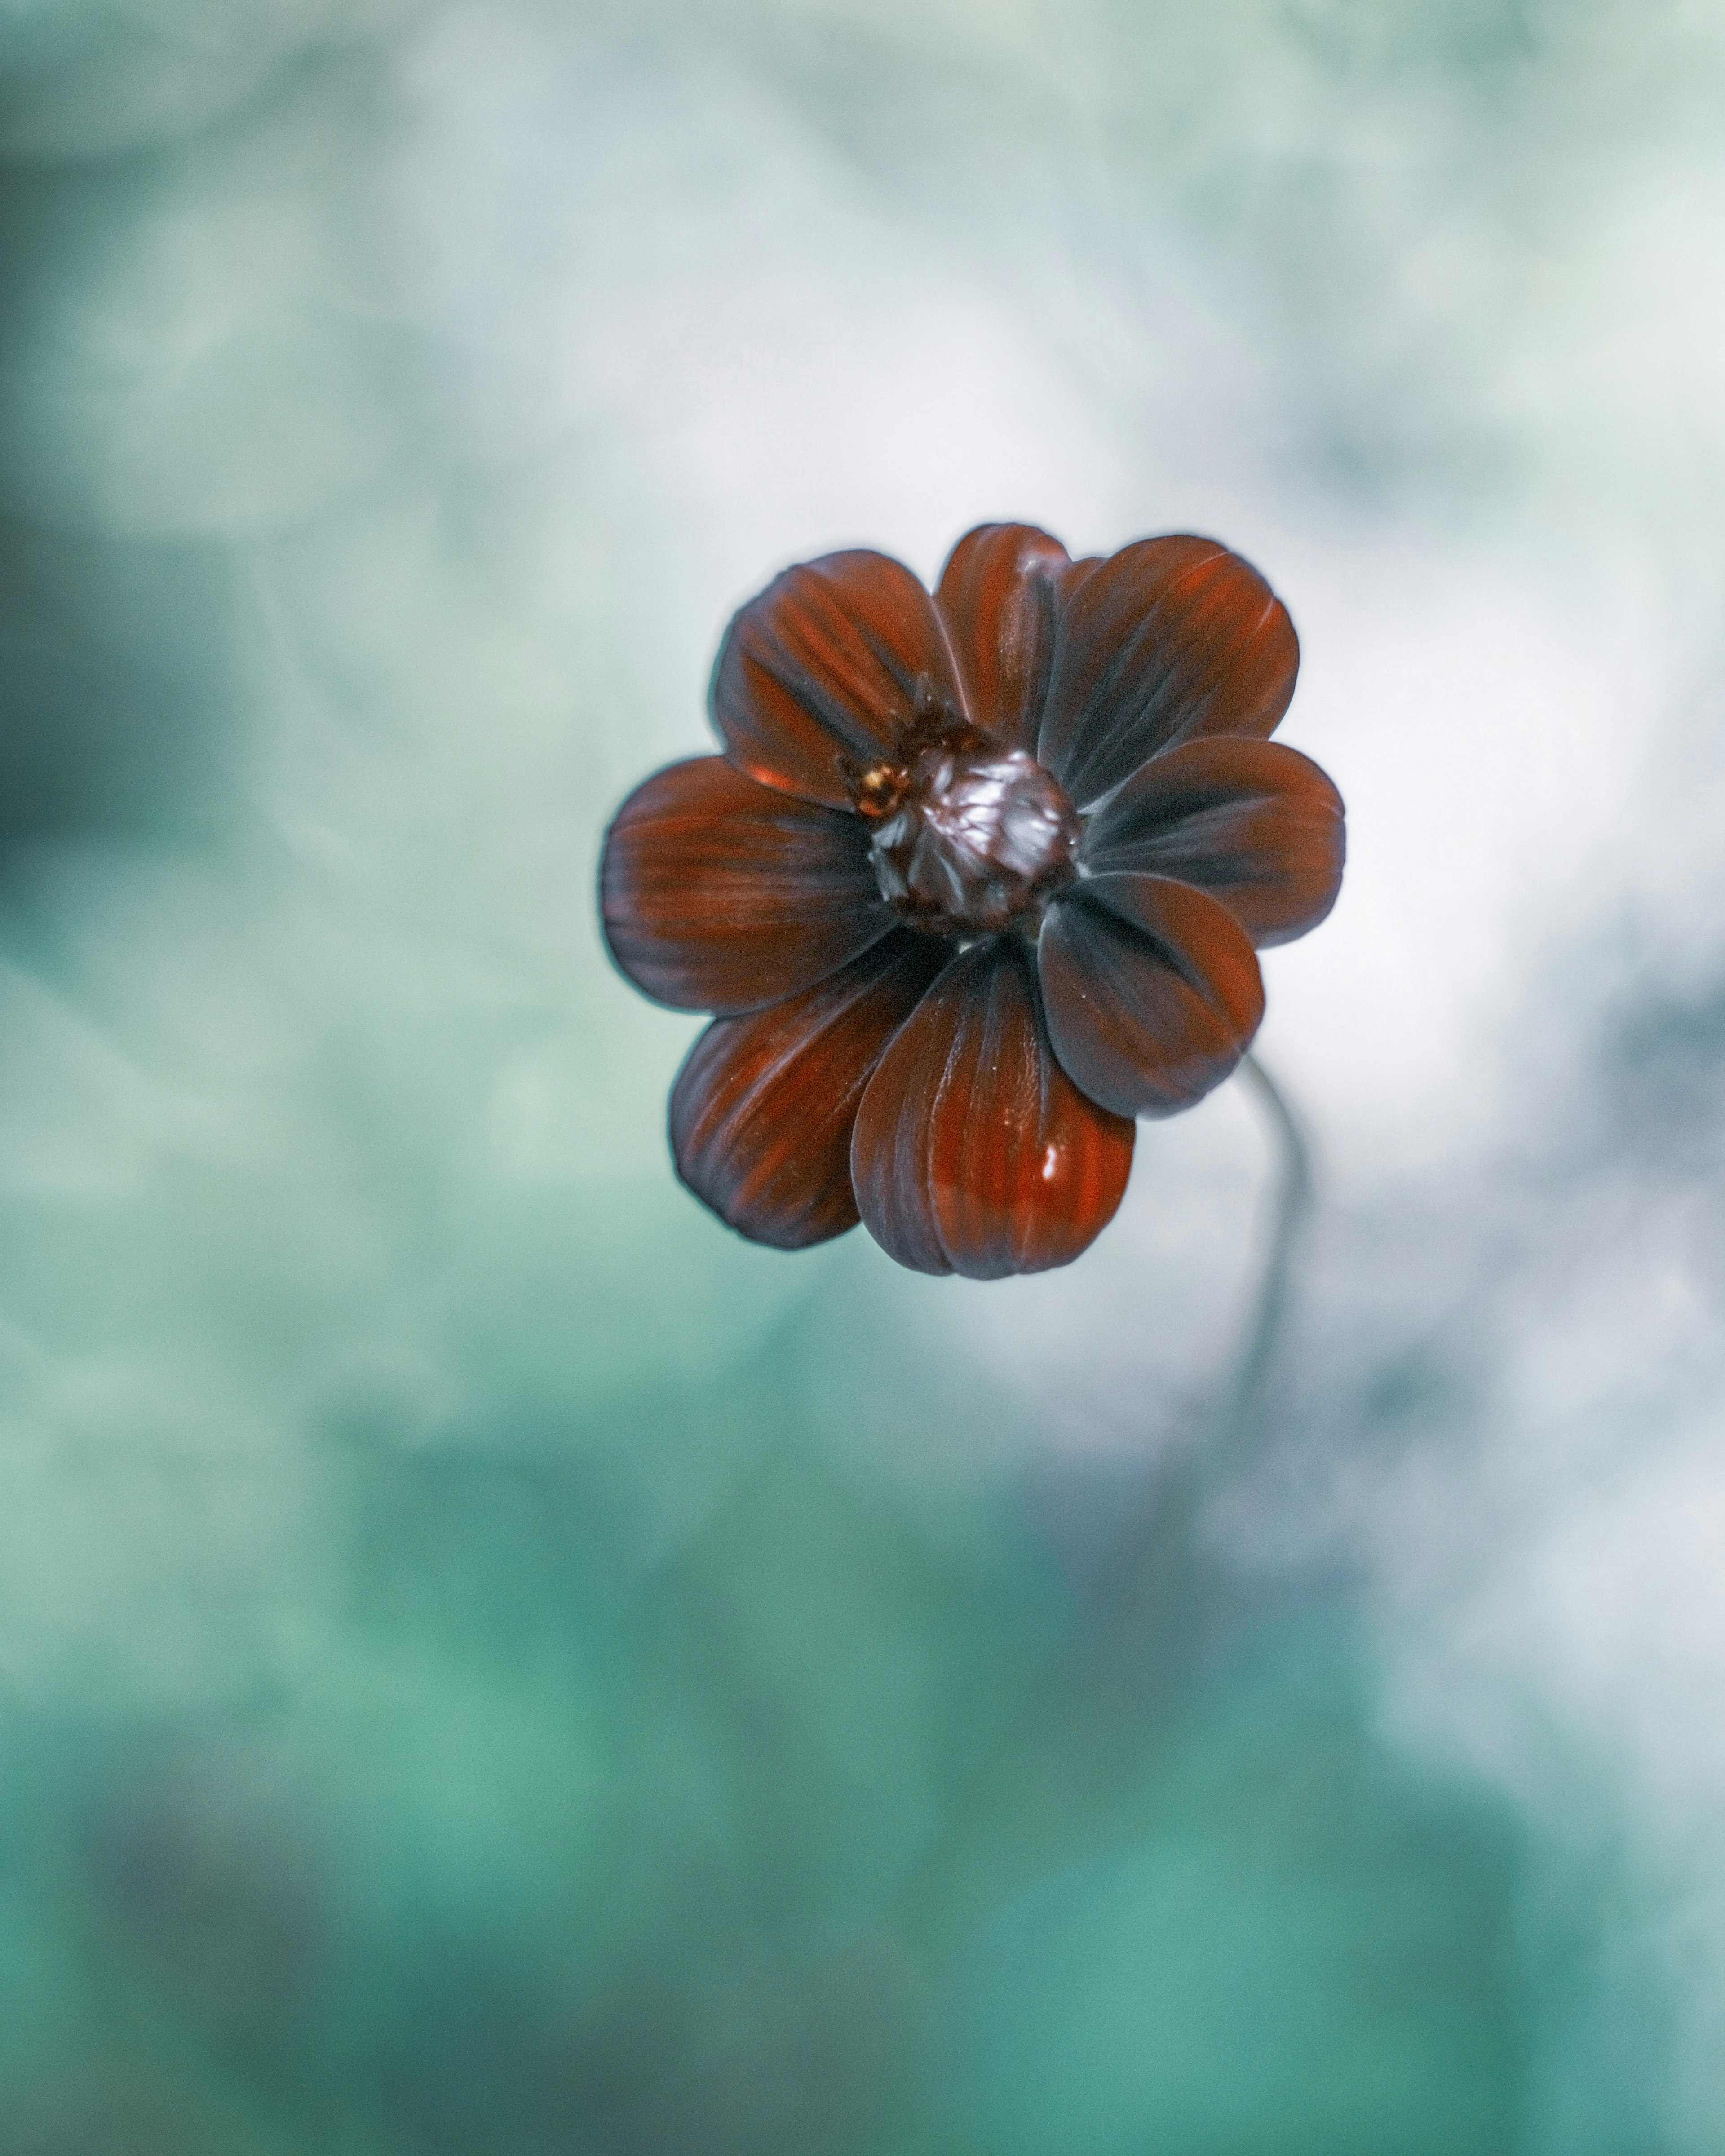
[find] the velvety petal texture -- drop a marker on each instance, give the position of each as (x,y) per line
(1255,824)
(720,895)
(761,1111)
(918,1063)
(1000,593)
(832,661)
(1164,642)
(973,1151)
(1153,991)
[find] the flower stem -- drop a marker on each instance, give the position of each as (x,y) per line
(1103,1706)
(1157,1580)
(1242,1400)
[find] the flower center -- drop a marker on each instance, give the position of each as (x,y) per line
(968,838)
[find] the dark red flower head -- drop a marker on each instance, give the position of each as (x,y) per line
(976,882)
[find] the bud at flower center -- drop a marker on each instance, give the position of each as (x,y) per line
(971,839)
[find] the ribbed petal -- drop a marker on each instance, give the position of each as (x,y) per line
(761,1110)
(1166,640)
(973,1151)
(830,661)
(721,895)
(1255,824)
(1001,593)
(1153,991)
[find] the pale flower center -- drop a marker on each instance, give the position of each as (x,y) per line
(969,841)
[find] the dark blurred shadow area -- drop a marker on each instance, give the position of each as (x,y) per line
(116,700)
(490,1664)
(118,708)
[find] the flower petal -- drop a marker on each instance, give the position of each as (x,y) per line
(761,1110)
(831,661)
(1257,825)
(720,895)
(1152,988)
(1168,640)
(1000,592)
(973,1151)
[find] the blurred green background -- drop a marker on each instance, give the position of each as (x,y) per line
(490,1664)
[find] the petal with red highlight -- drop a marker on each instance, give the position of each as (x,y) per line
(761,1110)
(1167,640)
(1152,988)
(973,1151)
(1255,824)
(1000,592)
(831,662)
(721,895)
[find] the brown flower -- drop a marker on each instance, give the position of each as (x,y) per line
(975,881)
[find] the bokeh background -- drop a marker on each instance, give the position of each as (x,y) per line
(490,1664)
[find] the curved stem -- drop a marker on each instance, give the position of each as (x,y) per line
(1156,1580)
(1293,1204)
(1099,1702)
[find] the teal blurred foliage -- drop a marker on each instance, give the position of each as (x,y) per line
(488,1665)
(750,1847)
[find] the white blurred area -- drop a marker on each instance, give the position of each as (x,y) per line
(503,350)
